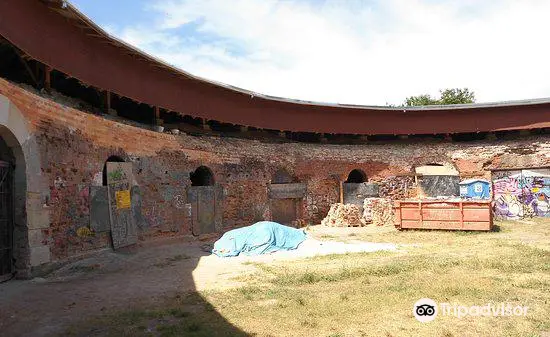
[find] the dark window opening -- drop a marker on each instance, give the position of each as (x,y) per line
(467,137)
(507,134)
(305,137)
(13,68)
(438,136)
(89,99)
(202,176)
(224,127)
(111,159)
(434,164)
(132,110)
(356,177)
(382,138)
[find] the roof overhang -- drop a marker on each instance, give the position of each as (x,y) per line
(55,33)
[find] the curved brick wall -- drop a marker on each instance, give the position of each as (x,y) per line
(72,146)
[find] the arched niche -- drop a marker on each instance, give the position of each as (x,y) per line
(282,176)
(356,176)
(111,159)
(285,197)
(205,198)
(202,176)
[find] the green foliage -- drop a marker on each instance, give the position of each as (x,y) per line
(421,100)
(447,96)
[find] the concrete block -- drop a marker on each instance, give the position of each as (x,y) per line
(38,219)
(40,255)
(4,110)
(34,201)
(36,238)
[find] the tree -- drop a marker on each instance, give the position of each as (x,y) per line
(447,96)
(420,100)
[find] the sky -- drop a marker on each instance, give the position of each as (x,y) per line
(369,52)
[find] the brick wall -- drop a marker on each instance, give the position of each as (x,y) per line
(73,147)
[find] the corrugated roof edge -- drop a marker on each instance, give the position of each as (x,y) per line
(83,18)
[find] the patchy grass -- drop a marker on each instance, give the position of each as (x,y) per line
(371,294)
(188,315)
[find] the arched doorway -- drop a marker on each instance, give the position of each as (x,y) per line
(355,189)
(111,159)
(281,176)
(285,197)
(202,176)
(7,161)
(118,177)
(356,176)
(205,199)
(14,245)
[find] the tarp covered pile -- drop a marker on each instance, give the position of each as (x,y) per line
(344,215)
(260,238)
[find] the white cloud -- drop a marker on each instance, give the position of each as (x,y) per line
(362,52)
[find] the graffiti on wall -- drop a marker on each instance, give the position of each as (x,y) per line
(522,194)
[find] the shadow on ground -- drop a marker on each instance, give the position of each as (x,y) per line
(142,292)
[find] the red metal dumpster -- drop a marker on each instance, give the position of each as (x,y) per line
(442,214)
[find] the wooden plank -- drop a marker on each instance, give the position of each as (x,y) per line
(398,215)
(287,191)
(47,78)
(477,214)
(461,215)
(123,227)
(107,98)
(447,225)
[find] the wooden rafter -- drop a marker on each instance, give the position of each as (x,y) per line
(29,71)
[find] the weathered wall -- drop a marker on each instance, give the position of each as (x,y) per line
(72,146)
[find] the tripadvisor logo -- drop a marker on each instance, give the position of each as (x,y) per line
(425,310)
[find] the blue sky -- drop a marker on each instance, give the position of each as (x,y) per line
(354,51)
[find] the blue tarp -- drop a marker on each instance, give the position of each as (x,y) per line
(261,238)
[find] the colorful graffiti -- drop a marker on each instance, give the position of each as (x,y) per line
(522,194)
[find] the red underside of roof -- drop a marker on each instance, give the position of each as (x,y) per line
(49,37)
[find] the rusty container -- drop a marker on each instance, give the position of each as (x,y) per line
(441,214)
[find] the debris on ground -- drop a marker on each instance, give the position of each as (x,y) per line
(312,247)
(344,215)
(260,238)
(378,211)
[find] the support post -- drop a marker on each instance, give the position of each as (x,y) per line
(107,103)
(29,71)
(157,120)
(341,192)
(47,78)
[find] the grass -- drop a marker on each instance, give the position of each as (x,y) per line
(371,294)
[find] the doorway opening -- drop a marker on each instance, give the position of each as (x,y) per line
(202,176)
(356,177)
(111,159)
(7,267)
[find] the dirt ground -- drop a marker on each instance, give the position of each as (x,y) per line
(144,275)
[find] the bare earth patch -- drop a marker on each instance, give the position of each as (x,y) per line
(180,290)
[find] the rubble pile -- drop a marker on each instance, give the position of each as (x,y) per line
(379,211)
(344,215)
